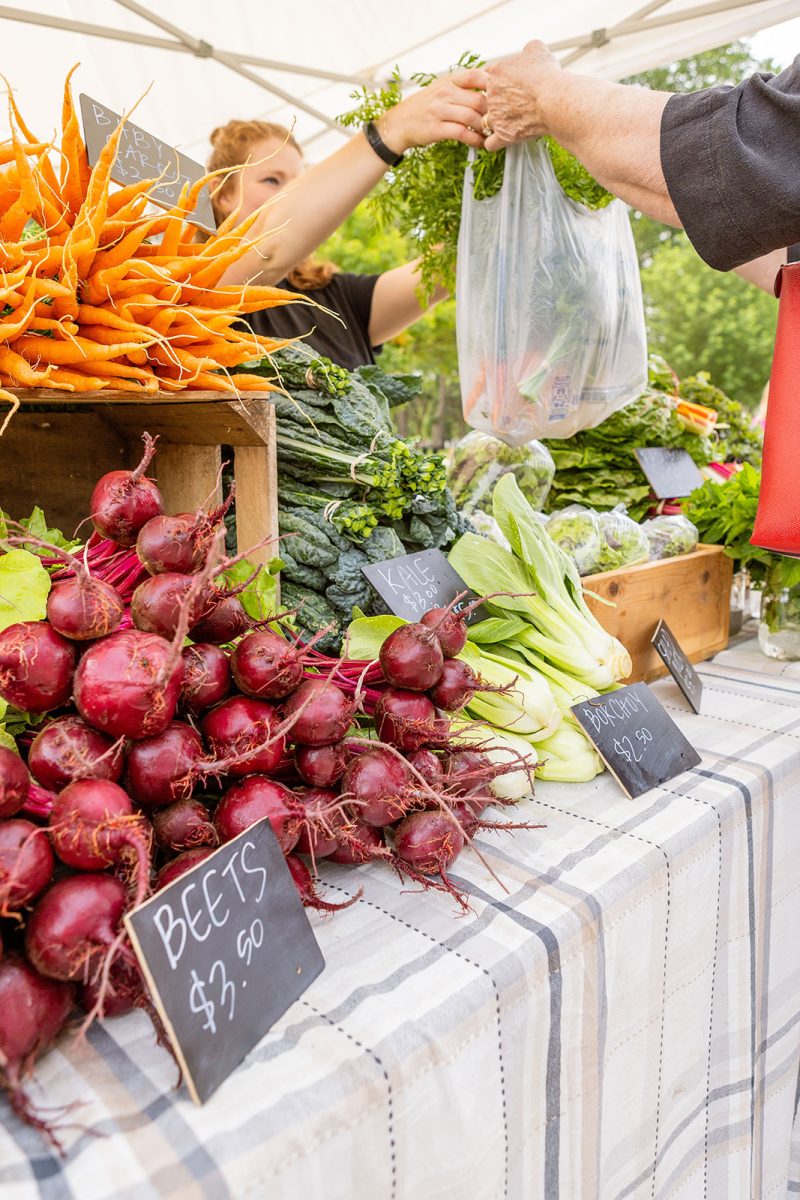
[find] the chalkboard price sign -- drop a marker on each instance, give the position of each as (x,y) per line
(415,583)
(141,155)
(636,738)
(225,950)
(666,646)
(670,473)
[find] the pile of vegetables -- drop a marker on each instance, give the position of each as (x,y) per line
(137,749)
(98,291)
(421,196)
(538,629)
(350,491)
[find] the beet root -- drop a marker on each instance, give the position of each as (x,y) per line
(69,749)
(128,684)
(304,882)
(206,676)
(254,798)
(13,782)
(163,769)
(180,865)
(36,666)
(26,864)
(74,925)
(183,826)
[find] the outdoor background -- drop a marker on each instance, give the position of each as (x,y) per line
(697,318)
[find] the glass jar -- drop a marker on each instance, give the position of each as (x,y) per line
(779,627)
(740,600)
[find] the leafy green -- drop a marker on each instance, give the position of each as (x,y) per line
(24,587)
(725,514)
(668,536)
(421,196)
(477,461)
(260,597)
(740,439)
(36,524)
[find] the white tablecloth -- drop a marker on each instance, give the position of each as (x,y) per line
(618,1017)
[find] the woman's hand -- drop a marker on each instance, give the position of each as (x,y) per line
(517,94)
(448,108)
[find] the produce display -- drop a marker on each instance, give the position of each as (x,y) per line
(91,301)
(150,719)
(351,492)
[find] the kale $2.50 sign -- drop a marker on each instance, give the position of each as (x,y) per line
(225,949)
(636,738)
(413,584)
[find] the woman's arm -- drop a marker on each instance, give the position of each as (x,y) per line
(395,303)
(308,211)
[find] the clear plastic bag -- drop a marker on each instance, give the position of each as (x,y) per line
(477,461)
(668,536)
(624,543)
(578,532)
(549,315)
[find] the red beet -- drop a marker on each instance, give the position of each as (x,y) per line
(93,826)
(429,841)
(303,881)
(266,665)
(173,543)
(13,782)
(180,865)
(184,825)
(467,772)
(163,769)
(379,784)
(222,622)
(36,666)
(320,713)
(123,501)
(128,684)
(321,818)
(33,1011)
(123,993)
(450,629)
(429,766)
(69,749)
(158,601)
(456,687)
(321,765)
(411,658)
(84,608)
(405,719)
(206,676)
(73,926)
(251,800)
(241,732)
(26,863)
(358,843)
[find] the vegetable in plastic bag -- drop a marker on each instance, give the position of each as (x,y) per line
(623,542)
(477,461)
(668,536)
(578,532)
(485,524)
(550,321)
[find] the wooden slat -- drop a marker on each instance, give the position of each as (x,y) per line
(256,478)
(691,592)
(188,476)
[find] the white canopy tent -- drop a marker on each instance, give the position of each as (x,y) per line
(210,61)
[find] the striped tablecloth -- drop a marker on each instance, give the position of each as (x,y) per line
(618,1017)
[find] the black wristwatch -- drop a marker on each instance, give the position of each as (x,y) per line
(793,253)
(379,145)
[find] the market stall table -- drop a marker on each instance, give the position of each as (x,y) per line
(618,1017)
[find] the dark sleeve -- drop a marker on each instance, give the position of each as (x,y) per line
(731,160)
(359,290)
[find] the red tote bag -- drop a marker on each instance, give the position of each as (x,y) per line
(777,525)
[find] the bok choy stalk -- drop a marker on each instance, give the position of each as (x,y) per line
(568,756)
(501,748)
(527,709)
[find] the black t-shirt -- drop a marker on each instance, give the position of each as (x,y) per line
(731,160)
(345,341)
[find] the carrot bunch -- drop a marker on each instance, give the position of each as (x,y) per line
(98,292)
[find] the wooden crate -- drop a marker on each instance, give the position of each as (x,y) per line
(691,592)
(53,458)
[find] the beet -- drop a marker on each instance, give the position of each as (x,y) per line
(450,629)
(358,843)
(36,666)
(162,769)
(411,658)
(158,602)
(222,622)
(180,865)
(128,684)
(69,749)
(265,665)
(183,826)
(84,608)
(303,881)
(93,825)
(251,800)
(241,732)
(321,766)
(13,782)
(73,926)
(468,772)
(26,863)
(379,783)
(320,713)
(206,676)
(123,992)
(123,501)
(172,544)
(429,841)
(321,817)
(428,765)
(405,719)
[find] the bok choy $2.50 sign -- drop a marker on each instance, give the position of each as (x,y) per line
(225,949)
(636,738)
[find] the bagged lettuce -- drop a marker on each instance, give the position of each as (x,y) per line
(477,461)
(578,532)
(623,542)
(668,536)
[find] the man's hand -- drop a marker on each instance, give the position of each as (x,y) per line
(516,95)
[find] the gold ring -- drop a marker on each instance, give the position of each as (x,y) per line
(486,127)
